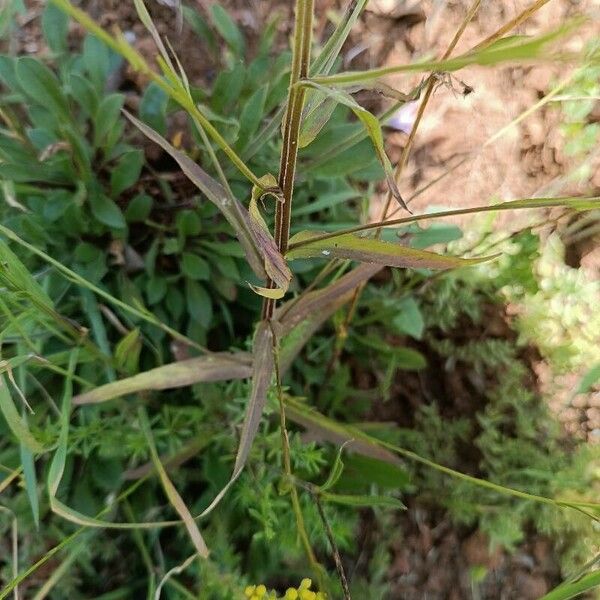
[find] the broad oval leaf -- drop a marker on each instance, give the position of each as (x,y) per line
(371,250)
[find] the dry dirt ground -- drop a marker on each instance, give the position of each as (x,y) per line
(433,559)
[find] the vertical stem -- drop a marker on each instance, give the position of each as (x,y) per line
(291,130)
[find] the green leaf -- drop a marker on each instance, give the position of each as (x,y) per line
(199,303)
(15,422)
(55,26)
(106,211)
(126,172)
(171,492)
(188,223)
(153,107)
(83,92)
(409,319)
(194,267)
(373,128)
(227,28)
(368,501)
(139,208)
(259,246)
(219,366)
(405,358)
(371,250)
(96,58)
(317,112)
(336,470)
(156,288)
(573,589)
(127,352)
(362,471)
(199,26)
(106,117)
(513,49)
(252,115)
(589,380)
(41,85)
(30,481)
(227,88)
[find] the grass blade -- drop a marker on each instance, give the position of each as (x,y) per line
(214,367)
(15,422)
(259,246)
(308,416)
(373,128)
(573,589)
(516,49)
(172,494)
(375,251)
(262,373)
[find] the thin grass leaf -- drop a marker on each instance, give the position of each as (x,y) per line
(308,416)
(373,128)
(214,367)
(57,467)
(375,251)
(15,422)
(520,49)
(336,470)
(574,203)
(138,311)
(361,501)
(148,23)
(574,589)
(15,276)
(59,572)
(30,477)
(331,50)
(258,244)
(172,494)
(263,369)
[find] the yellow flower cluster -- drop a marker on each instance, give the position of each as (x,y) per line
(303,592)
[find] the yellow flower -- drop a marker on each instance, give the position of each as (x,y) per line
(307,595)
(249,591)
(261,590)
(305,584)
(291,594)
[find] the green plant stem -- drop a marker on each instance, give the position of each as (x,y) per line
(334,550)
(291,131)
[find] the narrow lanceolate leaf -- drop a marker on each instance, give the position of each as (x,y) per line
(263,368)
(336,470)
(57,468)
(372,126)
(172,494)
(326,59)
(214,367)
(30,482)
(262,373)
(332,430)
(15,276)
(348,500)
(504,50)
(259,246)
(375,251)
(14,420)
(574,589)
